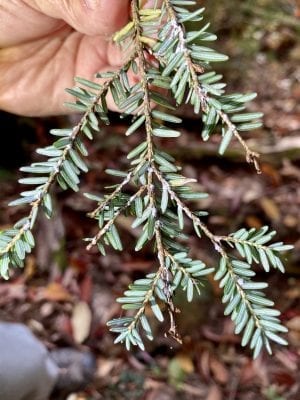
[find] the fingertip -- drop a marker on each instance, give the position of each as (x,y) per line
(101,17)
(90,17)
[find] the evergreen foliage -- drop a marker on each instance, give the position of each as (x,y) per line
(171,54)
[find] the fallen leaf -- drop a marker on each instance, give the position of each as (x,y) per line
(248,372)
(54,292)
(185,362)
(272,173)
(105,367)
(81,321)
(86,287)
(72,396)
(193,390)
(214,393)
(219,371)
(294,323)
(294,338)
(270,208)
(12,291)
(261,371)
(219,337)
(76,396)
(30,267)
(47,309)
(136,364)
(283,378)
(294,292)
(163,393)
(288,359)
(253,221)
(204,364)
(178,367)
(63,328)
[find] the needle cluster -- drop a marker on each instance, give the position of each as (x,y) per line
(169,50)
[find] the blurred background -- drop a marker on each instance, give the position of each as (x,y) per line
(66,295)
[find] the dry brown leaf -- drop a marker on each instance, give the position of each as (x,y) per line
(294,292)
(248,373)
(214,393)
(81,321)
(12,291)
(288,359)
(185,362)
(270,208)
(72,396)
(30,267)
(261,371)
(164,393)
(253,221)
(204,364)
(76,396)
(193,390)
(54,292)
(86,287)
(272,173)
(294,338)
(219,371)
(294,323)
(227,336)
(105,366)
(63,328)
(294,330)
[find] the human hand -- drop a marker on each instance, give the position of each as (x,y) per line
(45,43)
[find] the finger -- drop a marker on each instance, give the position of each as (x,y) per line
(33,76)
(91,17)
(20,23)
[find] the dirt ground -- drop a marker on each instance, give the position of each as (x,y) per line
(66,295)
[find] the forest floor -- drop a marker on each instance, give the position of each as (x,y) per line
(66,295)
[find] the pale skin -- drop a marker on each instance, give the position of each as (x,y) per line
(45,43)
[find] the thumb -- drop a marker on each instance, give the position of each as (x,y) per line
(91,17)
